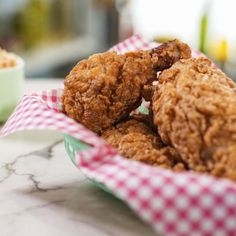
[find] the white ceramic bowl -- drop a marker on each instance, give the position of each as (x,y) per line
(11,87)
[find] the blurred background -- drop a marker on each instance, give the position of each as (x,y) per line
(52,35)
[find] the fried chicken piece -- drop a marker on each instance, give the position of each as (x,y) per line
(194,108)
(106,87)
(135,140)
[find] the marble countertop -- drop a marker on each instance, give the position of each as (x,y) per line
(42,192)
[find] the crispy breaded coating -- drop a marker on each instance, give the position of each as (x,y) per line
(103,89)
(135,140)
(194,108)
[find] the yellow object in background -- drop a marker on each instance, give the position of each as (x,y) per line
(219,50)
(32,23)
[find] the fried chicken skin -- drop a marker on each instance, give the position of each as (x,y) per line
(135,140)
(103,89)
(194,108)
(170,52)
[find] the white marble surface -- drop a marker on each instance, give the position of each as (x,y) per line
(43,194)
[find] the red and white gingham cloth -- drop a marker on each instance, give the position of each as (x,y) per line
(179,204)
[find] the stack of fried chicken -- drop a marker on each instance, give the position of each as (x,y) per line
(191,123)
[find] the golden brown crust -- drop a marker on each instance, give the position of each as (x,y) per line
(194,107)
(135,140)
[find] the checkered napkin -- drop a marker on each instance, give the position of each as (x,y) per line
(180,204)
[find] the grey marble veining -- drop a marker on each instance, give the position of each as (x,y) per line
(42,193)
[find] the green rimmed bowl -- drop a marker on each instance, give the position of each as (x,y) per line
(72,146)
